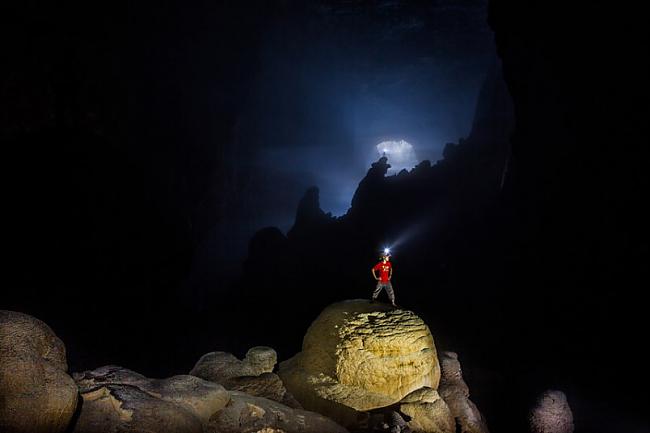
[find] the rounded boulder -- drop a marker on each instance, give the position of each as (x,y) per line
(36,393)
(358,356)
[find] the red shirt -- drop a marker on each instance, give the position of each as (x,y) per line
(384,270)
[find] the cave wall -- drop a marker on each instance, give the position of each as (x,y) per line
(577,178)
(118,125)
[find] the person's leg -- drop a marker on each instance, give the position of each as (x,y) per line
(389,290)
(377,290)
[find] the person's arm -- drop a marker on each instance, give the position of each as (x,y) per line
(390,273)
(373,273)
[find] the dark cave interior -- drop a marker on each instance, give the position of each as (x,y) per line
(526,253)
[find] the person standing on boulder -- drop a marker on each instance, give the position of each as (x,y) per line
(385,269)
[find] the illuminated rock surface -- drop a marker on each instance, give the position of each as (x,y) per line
(455,392)
(247,414)
(36,393)
(267,385)
(119,400)
(365,366)
(358,356)
(427,411)
(252,375)
(222,366)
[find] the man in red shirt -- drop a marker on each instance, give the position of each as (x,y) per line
(383,280)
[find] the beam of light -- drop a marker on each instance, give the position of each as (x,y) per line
(400,154)
(410,232)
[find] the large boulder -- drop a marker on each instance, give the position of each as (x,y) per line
(248,414)
(119,400)
(36,393)
(455,393)
(358,356)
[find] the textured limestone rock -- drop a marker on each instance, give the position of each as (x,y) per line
(267,385)
(119,400)
(427,412)
(552,414)
(220,366)
(358,356)
(122,409)
(248,414)
(36,393)
(252,375)
(455,393)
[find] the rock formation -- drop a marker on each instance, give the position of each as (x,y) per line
(120,400)
(455,392)
(435,214)
(221,366)
(267,385)
(309,212)
(365,365)
(116,399)
(37,396)
(36,393)
(427,412)
(390,422)
(551,414)
(359,356)
(248,414)
(252,375)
